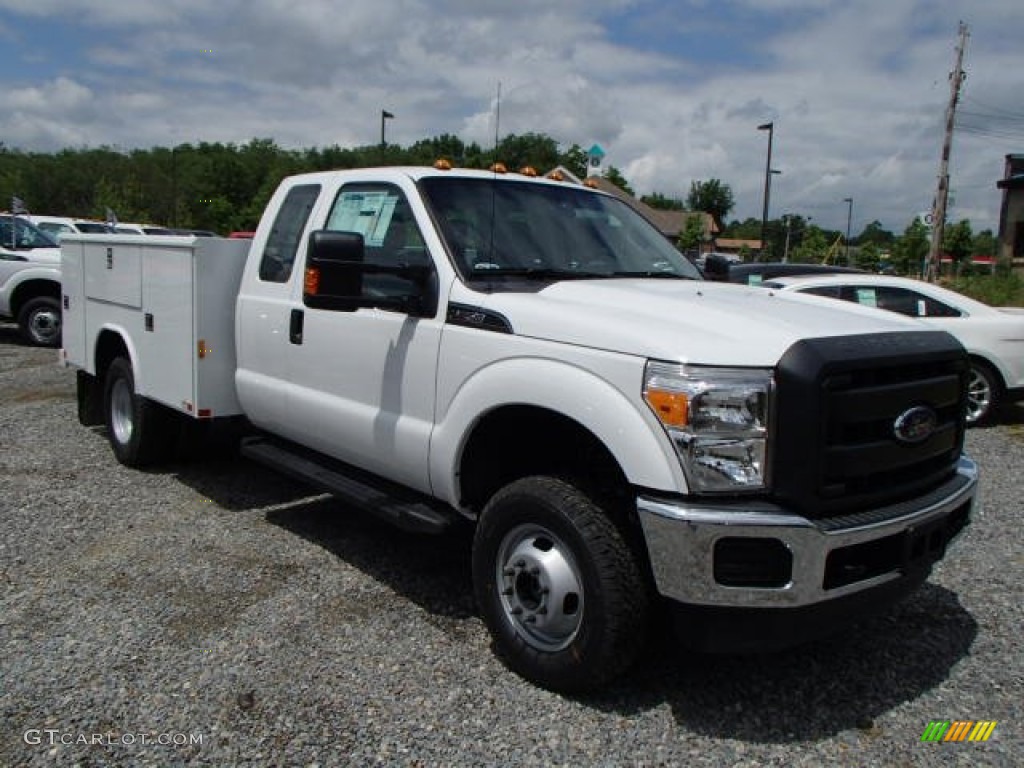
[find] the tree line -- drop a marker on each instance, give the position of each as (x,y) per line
(795,238)
(224,187)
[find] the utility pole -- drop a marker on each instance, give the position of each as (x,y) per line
(956,79)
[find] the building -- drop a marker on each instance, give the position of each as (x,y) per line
(1011,212)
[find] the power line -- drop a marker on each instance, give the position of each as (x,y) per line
(999,110)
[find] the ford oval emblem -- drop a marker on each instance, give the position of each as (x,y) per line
(915,425)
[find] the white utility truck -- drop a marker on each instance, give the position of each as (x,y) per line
(30,281)
(531,357)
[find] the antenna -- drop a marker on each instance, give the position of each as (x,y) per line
(497,116)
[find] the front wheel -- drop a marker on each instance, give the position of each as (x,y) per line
(561,591)
(140,431)
(39,321)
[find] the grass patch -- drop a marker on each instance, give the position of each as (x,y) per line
(994,290)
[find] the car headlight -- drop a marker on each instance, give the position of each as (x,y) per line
(717,420)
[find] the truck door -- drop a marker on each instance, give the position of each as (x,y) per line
(364,381)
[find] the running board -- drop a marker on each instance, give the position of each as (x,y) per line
(389,501)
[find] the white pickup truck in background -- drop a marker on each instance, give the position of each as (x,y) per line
(30,281)
(532,358)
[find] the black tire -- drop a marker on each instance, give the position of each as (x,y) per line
(984,393)
(40,321)
(140,431)
(559,588)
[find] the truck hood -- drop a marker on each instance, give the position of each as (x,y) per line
(685,321)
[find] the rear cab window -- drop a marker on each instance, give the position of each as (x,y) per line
(286,233)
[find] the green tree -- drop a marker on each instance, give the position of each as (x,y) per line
(812,248)
(910,250)
(692,235)
(867,257)
(748,229)
(614,175)
(985,244)
(663,203)
(533,149)
(711,196)
(575,159)
(957,241)
(875,233)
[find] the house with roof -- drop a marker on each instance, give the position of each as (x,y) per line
(1011,212)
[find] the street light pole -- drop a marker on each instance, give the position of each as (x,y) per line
(849,218)
(770,127)
(384,116)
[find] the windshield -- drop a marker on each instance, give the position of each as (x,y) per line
(501,226)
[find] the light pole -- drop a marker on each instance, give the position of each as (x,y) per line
(849,218)
(384,116)
(770,127)
(767,207)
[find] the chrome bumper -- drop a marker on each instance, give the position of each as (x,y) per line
(825,556)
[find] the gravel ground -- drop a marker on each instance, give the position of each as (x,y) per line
(217,602)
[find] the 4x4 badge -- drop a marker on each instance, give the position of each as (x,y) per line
(915,425)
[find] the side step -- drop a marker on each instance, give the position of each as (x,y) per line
(396,505)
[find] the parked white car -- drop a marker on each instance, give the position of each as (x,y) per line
(55,226)
(994,336)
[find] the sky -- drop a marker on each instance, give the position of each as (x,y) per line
(672,90)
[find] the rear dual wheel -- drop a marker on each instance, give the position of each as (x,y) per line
(140,431)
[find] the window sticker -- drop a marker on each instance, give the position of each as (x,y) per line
(368,213)
(867,297)
(922,308)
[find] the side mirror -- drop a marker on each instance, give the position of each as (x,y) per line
(335,278)
(716,267)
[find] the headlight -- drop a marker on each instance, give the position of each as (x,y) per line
(717,419)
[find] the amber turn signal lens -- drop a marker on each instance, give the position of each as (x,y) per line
(311,284)
(672,408)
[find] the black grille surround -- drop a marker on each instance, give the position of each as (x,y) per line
(837,401)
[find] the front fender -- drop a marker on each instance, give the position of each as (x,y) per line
(627,429)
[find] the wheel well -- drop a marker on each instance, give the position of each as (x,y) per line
(518,441)
(109,346)
(32,289)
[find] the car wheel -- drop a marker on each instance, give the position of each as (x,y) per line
(561,591)
(984,390)
(39,321)
(140,431)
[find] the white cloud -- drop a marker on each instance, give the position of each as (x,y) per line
(856,90)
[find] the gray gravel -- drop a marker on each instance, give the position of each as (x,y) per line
(215,600)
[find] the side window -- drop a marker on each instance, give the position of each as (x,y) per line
(382,215)
(829,291)
(935,308)
(283,241)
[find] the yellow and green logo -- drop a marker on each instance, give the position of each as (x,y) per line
(958,730)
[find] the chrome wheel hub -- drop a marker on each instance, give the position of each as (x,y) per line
(121,411)
(541,587)
(979,396)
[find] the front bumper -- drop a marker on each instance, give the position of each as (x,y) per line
(759,555)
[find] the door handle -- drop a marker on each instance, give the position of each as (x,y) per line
(295,326)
